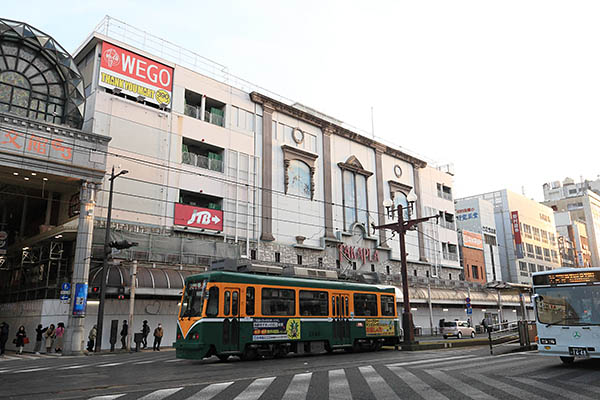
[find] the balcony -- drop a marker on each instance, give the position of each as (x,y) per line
(214,118)
(201,161)
(192,111)
(448,225)
(450,256)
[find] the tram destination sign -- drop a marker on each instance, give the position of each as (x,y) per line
(566,278)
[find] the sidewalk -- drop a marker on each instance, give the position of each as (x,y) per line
(29,355)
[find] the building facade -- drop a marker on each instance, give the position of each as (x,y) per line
(526,235)
(477,215)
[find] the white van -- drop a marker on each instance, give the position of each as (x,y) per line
(459,329)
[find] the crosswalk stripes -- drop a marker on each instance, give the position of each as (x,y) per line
(255,389)
(298,387)
(456,384)
(378,386)
(161,394)
(210,391)
(555,389)
(108,397)
(338,385)
(505,387)
(418,385)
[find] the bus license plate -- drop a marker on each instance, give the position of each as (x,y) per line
(579,352)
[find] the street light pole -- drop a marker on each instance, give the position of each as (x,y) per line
(401,227)
(105,260)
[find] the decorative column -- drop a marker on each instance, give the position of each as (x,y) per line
(267,175)
(379,149)
(75,336)
(327,183)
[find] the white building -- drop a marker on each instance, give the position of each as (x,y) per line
(477,215)
(526,235)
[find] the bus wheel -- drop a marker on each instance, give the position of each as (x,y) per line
(567,360)
(223,357)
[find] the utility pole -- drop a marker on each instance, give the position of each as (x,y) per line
(132,280)
(401,227)
(107,250)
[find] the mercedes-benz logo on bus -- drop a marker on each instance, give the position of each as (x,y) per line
(576,335)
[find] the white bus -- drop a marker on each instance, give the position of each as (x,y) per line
(567,308)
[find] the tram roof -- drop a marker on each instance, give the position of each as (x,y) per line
(239,277)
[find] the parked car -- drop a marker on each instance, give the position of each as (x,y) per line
(459,329)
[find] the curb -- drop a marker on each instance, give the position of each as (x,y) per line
(454,343)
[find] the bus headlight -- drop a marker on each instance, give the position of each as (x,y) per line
(547,341)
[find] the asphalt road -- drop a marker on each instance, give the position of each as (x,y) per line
(468,373)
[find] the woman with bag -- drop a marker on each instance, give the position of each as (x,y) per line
(60,331)
(21,340)
(50,338)
(39,331)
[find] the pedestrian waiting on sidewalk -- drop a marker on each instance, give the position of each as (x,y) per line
(60,339)
(39,335)
(92,338)
(145,333)
(124,331)
(50,335)
(3,337)
(21,339)
(158,335)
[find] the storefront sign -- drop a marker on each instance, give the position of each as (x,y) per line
(81,291)
(380,327)
(196,217)
(472,240)
(35,145)
(464,214)
(275,329)
(358,253)
(516,228)
(487,229)
(135,75)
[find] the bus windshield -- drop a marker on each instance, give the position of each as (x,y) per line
(193,300)
(568,305)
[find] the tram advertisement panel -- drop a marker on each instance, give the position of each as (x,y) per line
(275,329)
(380,327)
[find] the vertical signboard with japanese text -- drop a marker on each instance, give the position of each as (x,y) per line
(135,75)
(516,228)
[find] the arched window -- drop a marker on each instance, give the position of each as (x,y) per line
(299,182)
(400,199)
(354,184)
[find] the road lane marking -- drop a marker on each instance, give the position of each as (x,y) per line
(160,394)
(109,365)
(210,391)
(468,390)
(298,387)
(144,362)
(256,389)
(379,387)
(108,397)
(30,370)
(420,387)
(430,360)
(74,366)
(338,385)
(505,387)
(175,360)
(555,389)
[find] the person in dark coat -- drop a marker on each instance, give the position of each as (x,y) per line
(3,337)
(39,333)
(145,333)
(20,339)
(158,335)
(124,331)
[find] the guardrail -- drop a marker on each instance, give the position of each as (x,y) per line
(505,333)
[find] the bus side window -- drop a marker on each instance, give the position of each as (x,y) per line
(249,300)
(234,303)
(227,302)
(212,308)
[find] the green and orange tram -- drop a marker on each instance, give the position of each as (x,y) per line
(226,314)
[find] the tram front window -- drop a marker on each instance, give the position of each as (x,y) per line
(193,300)
(568,305)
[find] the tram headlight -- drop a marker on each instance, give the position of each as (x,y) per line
(547,341)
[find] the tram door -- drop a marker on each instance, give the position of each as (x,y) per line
(341,319)
(231,322)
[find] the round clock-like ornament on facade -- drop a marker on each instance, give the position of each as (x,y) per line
(298,136)
(397,171)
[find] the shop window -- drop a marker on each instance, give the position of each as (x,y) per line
(202,155)
(313,303)
(278,302)
(388,308)
(365,305)
(200,200)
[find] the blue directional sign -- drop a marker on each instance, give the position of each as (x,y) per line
(65,286)
(64,297)
(469,311)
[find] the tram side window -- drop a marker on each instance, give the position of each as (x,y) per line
(234,303)
(313,303)
(227,302)
(212,308)
(365,305)
(387,305)
(278,302)
(249,301)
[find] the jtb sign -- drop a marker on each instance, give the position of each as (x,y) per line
(197,217)
(135,75)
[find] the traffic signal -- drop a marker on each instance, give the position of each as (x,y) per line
(122,244)
(95,290)
(121,292)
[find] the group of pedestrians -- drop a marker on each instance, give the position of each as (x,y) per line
(158,335)
(50,337)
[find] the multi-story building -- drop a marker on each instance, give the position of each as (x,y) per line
(439,238)
(557,190)
(477,215)
(526,235)
(471,256)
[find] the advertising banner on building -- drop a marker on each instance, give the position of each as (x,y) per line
(81,292)
(135,75)
(516,228)
(472,240)
(197,217)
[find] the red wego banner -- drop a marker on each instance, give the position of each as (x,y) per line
(197,217)
(516,227)
(135,75)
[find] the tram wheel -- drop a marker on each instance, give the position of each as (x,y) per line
(328,348)
(249,354)
(223,357)
(376,345)
(279,351)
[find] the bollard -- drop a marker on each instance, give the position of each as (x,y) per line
(490,339)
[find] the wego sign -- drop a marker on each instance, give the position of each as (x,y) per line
(197,217)
(357,253)
(135,75)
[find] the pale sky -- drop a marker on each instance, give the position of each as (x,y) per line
(507,91)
